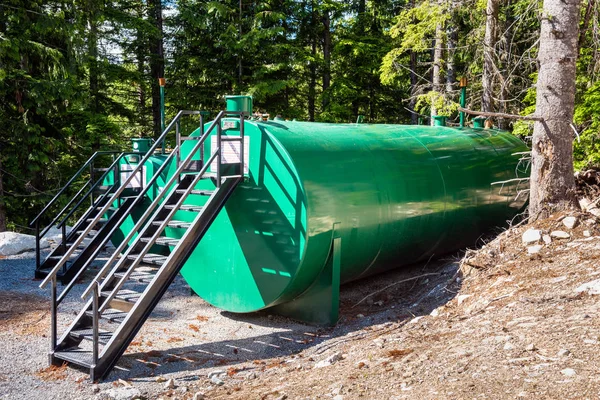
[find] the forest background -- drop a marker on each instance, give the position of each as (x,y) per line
(81,76)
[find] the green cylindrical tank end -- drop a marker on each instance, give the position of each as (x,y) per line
(479,122)
(141,145)
(239,103)
(439,120)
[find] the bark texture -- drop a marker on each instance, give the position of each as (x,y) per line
(438,53)
(552,181)
(157,61)
(489,44)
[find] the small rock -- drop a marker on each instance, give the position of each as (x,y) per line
(160,379)
(435,313)
(215,379)
(360,316)
(379,303)
(508,346)
(379,343)
(570,222)
(329,360)
(560,235)
(123,382)
(547,239)
(362,364)
(95,388)
(170,384)
(198,396)
(251,375)
(568,372)
(282,397)
(592,287)
(531,236)
(183,389)
(563,352)
(338,397)
(587,233)
(461,298)
(216,372)
(123,393)
(534,249)
(530,347)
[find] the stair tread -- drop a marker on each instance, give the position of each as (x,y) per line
(104,336)
(110,314)
(130,296)
(197,191)
(162,240)
(185,207)
(78,356)
(100,221)
(137,276)
(149,258)
(174,224)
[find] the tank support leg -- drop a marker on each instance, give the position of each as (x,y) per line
(320,304)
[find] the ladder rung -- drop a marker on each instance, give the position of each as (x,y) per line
(174,224)
(150,258)
(88,334)
(162,240)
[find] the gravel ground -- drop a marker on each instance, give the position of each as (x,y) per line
(185,338)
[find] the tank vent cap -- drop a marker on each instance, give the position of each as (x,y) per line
(479,122)
(439,120)
(239,104)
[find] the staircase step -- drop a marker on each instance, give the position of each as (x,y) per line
(129,296)
(88,333)
(78,356)
(100,221)
(110,314)
(138,276)
(174,224)
(197,191)
(149,258)
(162,240)
(90,234)
(185,207)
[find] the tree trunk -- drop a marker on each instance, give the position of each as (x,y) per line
(326,57)
(414,118)
(450,69)
(2,205)
(437,67)
(552,181)
(157,61)
(312,83)
(489,44)
(92,20)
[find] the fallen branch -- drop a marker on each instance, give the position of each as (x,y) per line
(393,284)
(501,115)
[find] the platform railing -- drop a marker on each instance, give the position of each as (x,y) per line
(36,222)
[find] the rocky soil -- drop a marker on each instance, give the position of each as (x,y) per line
(518,318)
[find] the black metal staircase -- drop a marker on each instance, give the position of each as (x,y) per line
(133,280)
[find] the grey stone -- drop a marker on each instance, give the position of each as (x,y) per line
(568,372)
(215,379)
(123,393)
(530,347)
(532,236)
(547,239)
(338,397)
(560,235)
(216,372)
(508,346)
(170,384)
(199,396)
(587,233)
(570,222)
(95,388)
(534,249)
(592,287)
(563,352)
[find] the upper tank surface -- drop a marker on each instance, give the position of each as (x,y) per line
(394,194)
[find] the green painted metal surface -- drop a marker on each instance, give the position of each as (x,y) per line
(396,195)
(239,103)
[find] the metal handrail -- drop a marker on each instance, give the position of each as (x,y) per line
(125,215)
(115,196)
(152,206)
(156,234)
(64,188)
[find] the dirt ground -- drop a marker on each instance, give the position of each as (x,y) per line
(506,321)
